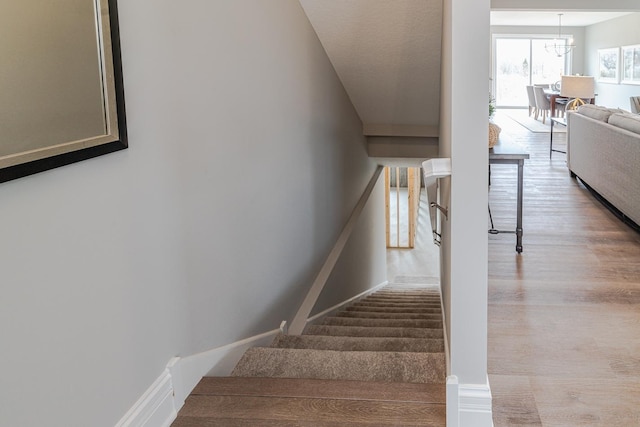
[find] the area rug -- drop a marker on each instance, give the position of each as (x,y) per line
(535,125)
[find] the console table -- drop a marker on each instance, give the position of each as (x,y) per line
(507,152)
(561,121)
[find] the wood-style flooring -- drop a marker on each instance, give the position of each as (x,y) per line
(564,316)
(289,402)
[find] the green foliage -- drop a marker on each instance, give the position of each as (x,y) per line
(492,105)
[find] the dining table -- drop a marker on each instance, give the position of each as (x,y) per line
(553,95)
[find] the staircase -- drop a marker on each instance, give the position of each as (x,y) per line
(378,362)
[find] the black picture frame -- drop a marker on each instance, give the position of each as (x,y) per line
(118,142)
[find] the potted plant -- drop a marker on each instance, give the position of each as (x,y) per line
(494,129)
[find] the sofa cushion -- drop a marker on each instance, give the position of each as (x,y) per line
(597,112)
(630,122)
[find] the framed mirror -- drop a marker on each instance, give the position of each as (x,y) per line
(61,92)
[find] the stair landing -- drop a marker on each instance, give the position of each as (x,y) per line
(283,402)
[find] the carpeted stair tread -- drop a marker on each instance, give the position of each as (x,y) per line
(363,331)
(338,343)
(383,309)
(403,295)
(397,292)
(342,365)
(397,304)
(373,323)
(387,315)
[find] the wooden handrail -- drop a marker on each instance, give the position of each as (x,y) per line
(300,319)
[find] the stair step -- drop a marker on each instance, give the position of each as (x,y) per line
(327,389)
(397,308)
(401,300)
(387,309)
(363,331)
(285,402)
(387,315)
(399,303)
(406,294)
(342,365)
(338,343)
(394,323)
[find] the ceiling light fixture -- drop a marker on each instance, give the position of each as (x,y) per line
(561,45)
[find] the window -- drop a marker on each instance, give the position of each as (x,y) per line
(523,61)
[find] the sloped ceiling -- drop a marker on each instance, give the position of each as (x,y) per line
(387,55)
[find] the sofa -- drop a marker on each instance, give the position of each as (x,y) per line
(603,150)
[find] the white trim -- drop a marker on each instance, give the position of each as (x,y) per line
(331,310)
(159,405)
(216,362)
(468,405)
(155,407)
(453,414)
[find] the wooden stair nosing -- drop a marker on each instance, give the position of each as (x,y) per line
(321,389)
(184,421)
(309,410)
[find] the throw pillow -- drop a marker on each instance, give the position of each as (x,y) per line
(630,122)
(595,112)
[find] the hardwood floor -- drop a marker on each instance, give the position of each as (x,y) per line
(237,401)
(564,316)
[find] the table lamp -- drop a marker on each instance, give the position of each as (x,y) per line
(579,88)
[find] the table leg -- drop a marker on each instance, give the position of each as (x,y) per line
(551,139)
(519,211)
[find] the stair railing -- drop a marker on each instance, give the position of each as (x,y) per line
(300,319)
(405,183)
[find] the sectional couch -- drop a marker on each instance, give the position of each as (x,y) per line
(603,150)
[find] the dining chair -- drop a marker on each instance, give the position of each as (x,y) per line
(532,102)
(635,104)
(542,102)
(561,106)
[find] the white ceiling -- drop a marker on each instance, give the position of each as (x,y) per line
(550,19)
(387,55)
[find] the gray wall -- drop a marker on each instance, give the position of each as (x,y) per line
(617,32)
(245,160)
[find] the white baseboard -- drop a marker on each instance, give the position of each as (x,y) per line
(217,362)
(331,310)
(159,405)
(468,405)
(155,408)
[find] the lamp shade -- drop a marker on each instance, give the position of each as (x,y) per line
(577,87)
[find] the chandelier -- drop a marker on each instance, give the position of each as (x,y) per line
(560,46)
